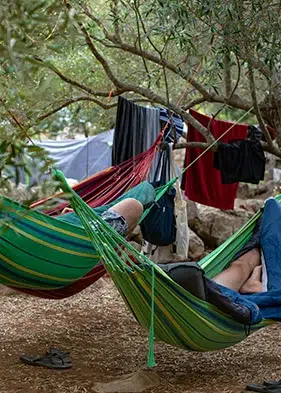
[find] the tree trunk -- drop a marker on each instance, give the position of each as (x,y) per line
(271,108)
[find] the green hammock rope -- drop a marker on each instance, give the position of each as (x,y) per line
(169,312)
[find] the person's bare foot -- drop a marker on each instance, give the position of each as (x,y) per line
(253,284)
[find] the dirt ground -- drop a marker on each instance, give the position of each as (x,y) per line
(105,342)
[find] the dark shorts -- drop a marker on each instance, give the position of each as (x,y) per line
(116,221)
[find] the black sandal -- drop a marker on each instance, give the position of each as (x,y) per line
(272,383)
(271,388)
(53,358)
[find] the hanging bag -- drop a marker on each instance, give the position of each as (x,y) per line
(159,226)
(182,237)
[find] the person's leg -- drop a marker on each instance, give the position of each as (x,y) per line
(131,210)
(236,275)
(124,216)
(254,283)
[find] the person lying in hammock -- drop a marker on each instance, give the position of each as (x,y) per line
(244,275)
(123,216)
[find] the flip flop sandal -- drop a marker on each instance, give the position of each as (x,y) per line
(53,358)
(272,383)
(264,389)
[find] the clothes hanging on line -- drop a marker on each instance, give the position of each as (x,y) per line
(256,132)
(136,129)
(240,161)
(202,182)
(175,127)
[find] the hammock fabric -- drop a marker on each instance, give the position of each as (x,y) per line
(169,312)
(47,257)
(106,186)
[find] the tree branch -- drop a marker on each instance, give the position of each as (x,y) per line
(149,94)
(147,55)
(256,106)
(271,149)
(72,101)
(72,82)
(257,64)
(192,103)
(200,145)
(100,58)
(235,101)
(139,41)
(114,9)
(227,74)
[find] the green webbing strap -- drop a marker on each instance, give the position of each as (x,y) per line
(151,358)
(105,239)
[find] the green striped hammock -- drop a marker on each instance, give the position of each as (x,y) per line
(169,312)
(46,256)
(40,252)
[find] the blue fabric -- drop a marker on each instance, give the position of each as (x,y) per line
(236,299)
(176,121)
(81,158)
(271,242)
(266,304)
(76,158)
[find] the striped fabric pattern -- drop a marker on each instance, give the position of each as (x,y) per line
(40,252)
(169,312)
(174,120)
(46,257)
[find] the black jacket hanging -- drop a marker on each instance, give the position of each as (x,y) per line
(240,161)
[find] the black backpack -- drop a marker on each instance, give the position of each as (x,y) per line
(159,226)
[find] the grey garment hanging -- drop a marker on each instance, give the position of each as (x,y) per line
(154,119)
(137,128)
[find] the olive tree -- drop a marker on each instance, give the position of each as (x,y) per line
(180,54)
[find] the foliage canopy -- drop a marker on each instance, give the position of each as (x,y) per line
(64,63)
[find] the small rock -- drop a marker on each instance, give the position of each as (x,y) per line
(250,191)
(196,247)
(251,205)
(214,226)
(192,211)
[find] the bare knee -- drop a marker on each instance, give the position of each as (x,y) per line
(244,268)
(134,206)
(131,209)
(129,206)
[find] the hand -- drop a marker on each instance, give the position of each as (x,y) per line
(67,210)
